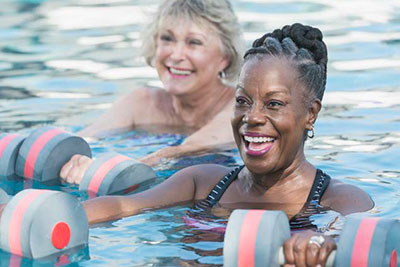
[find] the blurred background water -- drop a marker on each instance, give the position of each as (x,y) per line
(64,62)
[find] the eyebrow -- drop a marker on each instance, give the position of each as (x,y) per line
(267,94)
(190,34)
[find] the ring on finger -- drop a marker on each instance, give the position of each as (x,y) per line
(318,240)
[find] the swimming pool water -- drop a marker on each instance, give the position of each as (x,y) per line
(64,62)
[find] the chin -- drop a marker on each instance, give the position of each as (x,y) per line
(256,165)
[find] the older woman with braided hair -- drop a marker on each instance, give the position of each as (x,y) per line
(278,98)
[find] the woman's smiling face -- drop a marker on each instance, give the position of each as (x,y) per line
(188,56)
(270,115)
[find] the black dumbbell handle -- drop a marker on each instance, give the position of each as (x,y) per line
(329,262)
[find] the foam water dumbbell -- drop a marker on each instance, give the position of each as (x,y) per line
(256,237)
(41,223)
(9,147)
(44,152)
(114,173)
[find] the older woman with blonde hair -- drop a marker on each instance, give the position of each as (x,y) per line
(196,48)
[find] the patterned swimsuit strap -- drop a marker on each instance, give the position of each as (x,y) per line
(319,186)
(222,185)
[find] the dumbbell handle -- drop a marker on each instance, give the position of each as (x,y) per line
(329,261)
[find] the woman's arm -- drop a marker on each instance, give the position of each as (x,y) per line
(189,184)
(122,115)
(177,189)
(217,134)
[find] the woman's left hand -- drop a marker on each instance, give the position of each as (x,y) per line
(162,155)
(301,251)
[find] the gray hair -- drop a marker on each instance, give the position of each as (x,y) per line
(218,13)
(304,46)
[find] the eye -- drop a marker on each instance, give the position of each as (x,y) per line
(274,104)
(241,101)
(166,38)
(195,42)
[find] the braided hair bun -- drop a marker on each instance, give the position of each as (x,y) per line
(303,45)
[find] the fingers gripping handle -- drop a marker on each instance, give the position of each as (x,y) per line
(329,262)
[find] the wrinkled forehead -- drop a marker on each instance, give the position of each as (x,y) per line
(186,19)
(269,71)
(261,65)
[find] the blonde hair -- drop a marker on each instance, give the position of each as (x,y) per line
(218,13)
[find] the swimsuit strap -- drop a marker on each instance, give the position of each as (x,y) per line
(312,206)
(319,186)
(219,189)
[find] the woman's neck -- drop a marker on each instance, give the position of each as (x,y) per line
(196,109)
(291,179)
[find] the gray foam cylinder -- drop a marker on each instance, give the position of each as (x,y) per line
(40,223)
(262,231)
(9,147)
(114,173)
(370,240)
(45,151)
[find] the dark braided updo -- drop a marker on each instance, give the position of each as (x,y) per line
(302,45)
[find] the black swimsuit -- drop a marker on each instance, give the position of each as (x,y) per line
(299,221)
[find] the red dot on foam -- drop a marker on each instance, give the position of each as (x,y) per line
(60,235)
(393,259)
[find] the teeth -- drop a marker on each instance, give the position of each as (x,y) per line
(258,139)
(180,72)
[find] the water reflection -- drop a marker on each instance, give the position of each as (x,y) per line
(64,62)
(7,92)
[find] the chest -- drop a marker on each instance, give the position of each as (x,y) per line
(289,200)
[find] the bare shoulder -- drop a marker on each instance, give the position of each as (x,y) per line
(205,177)
(148,105)
(346,198)
(144,95)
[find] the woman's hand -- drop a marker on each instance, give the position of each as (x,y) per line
(299,251)
(162,155)
(73,171)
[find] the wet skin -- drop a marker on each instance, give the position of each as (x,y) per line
(270,103)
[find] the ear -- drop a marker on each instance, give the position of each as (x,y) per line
(313,111)
(224,63)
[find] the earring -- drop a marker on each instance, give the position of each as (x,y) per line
(222,74)
(312,132)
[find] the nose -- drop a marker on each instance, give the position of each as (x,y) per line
(178,52)
(254,117)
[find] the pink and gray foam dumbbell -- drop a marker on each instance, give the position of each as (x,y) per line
(114,173)
(41,223)
(44,152)
(41,155)
(255,238)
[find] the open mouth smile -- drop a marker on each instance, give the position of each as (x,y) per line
(179,73)
(257,145)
